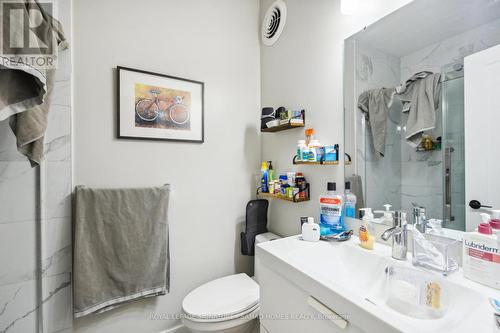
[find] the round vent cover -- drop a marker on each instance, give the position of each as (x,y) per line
(274,22)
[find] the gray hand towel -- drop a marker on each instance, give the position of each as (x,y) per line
(376,103)
(420,96)
(25,85)
(357,189)
(120,248)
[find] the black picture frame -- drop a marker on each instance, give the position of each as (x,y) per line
(119,135)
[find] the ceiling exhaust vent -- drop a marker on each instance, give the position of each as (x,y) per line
(274,22)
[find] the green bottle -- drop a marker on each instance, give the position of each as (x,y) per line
(272,173)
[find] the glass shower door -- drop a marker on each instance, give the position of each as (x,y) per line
(453,150)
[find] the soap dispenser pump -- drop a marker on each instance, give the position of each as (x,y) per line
(388,217)
(366,230)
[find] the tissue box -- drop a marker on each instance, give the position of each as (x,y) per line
(330,153)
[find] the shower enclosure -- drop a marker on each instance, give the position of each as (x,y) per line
(453,152)
(380,58)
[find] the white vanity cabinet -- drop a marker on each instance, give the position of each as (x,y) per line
(341,287)
(286,308)
(290,302)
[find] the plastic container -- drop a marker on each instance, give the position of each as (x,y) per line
(420,294)
(310,230)
(444,254)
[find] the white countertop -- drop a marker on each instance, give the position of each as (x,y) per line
(472,313)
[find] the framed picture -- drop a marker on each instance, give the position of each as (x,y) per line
(154,106)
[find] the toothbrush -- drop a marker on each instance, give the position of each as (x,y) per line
(495,303)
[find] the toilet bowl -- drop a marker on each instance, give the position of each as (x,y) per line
(229,304)
(226,305)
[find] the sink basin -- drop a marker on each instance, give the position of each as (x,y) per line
(344,263)
(389,289)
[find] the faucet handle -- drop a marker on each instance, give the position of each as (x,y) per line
(399,218)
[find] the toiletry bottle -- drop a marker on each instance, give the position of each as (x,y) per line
(314,150)
(331,211)
(300,183)
(336,147)
(310,230)
(283,185)
(264,176)
(309,135)
(388,215)
(366,230)
(271,172)
(301,146)
(350,202)
(435,227)
(481,258)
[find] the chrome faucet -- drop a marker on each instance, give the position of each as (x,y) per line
(399,234)
(419,220)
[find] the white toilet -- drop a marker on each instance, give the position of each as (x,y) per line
(226,305)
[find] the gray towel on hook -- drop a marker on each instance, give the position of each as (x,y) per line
(420,96)
(357,190)
(120,247)
(25,86)
(375,103)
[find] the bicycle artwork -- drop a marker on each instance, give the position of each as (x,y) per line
(154,106)
(165,108)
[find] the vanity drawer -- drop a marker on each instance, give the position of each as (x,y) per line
(285,307)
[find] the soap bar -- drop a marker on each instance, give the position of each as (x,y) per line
(433,295)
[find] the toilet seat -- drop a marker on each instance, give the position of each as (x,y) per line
(224,299)
(222,326)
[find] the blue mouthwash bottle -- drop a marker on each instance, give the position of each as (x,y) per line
(330,211)
(350,202)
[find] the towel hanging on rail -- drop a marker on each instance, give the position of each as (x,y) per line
(120,248)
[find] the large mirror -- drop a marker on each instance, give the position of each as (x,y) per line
(404,105)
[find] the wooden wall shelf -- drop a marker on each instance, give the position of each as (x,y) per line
(281,128)
(295,161)
(282,197)
(295,198)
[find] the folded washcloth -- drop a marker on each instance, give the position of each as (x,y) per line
(376,104)
(25,86)
(120,247)
(420,96)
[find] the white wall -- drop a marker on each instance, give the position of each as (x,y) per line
(215,42)
(305,69)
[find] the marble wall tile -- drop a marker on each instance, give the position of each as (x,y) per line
(57,303)
(18,307)
(17,191)
(56,253)
(18,238)
(57,189)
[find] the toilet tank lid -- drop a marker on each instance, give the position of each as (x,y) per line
(224,297)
